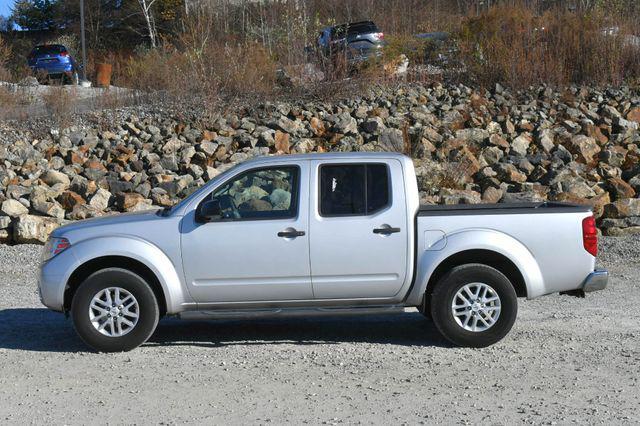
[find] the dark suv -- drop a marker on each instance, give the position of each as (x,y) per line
(53,60)
(358,41)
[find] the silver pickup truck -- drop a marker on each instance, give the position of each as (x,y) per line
(316,234)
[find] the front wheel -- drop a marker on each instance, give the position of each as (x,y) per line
(474,305)
(114,310)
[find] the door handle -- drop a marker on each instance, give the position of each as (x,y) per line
(290,233)
(386,230)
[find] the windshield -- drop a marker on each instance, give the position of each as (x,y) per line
(53,49)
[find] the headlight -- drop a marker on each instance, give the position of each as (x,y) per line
(53,247)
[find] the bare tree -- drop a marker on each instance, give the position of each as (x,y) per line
(145,5)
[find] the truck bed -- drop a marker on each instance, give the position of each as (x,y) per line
(501,208)
(549,233)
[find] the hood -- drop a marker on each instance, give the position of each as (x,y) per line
(115,219)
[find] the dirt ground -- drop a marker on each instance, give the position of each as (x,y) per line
(567,360)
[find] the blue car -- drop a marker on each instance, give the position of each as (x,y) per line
(53,61)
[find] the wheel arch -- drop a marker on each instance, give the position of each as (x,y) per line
(134,254)
(490,258)
(97,264)
(489,247)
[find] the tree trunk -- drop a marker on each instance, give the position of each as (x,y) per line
(148,17)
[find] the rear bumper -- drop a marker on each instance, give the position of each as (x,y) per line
(597,280)
(57,69)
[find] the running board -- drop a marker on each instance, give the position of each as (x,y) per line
(289,312)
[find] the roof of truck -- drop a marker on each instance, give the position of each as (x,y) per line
(327,156)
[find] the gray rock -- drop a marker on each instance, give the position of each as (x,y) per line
(455,196)
(373,125)
(5,221)
(54,177)
(546,140)
(522,197)
(472,135)
(345,124)
(29,229)
(101,200)
(520,145)
(29,81)
(392,140)
(168,162)
(13,208)
(172,146)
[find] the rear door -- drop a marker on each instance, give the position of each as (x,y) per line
(358,229)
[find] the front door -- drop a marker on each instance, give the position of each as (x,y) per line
(359,229)
(258,249)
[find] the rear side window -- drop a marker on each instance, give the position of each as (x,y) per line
(353,189)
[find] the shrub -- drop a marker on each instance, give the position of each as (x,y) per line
(5,56)
(71,43)
(513,45)
(59,103)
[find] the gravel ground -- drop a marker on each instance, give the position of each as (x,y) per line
(567,360)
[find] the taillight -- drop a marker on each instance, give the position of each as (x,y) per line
(590,235)
(380,36)
(64,53)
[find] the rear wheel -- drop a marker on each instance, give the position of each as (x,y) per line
(474,305)
(72,78)
(114,310)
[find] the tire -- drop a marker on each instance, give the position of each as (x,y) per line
(72,79)
(116,335)
(499,314)
(425,308)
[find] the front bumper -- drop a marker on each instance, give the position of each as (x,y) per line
(53,277)
(597,280)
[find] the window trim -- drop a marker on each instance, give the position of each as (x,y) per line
(366,187)
(295,197)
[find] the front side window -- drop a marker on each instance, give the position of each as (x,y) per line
(353,189)
(268,193)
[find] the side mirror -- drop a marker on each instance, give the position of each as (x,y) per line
(208,211)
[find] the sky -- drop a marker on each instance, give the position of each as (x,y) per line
(5,7)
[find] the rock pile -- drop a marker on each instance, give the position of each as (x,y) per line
(578,145)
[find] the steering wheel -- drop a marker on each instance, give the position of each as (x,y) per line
(228,207)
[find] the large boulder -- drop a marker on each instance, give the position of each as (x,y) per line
(29,229)
(101,199)
(634,115)
(585,148)
(459,196)
(507,172)
(13,208)
(132,202)
(54,177)
(520,145)
(620,189)
(622,208)
(472,135)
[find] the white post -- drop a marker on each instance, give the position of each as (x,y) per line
(84,51)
